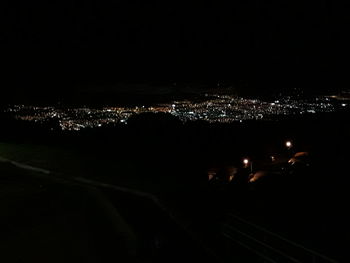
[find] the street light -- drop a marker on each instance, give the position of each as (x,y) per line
(289,144)
(246,162)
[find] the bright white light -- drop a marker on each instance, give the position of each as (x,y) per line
(288,144)
(245,161)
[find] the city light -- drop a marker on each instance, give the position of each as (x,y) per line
(216,108)
(245,161)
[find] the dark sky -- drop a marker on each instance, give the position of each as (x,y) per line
(50,47)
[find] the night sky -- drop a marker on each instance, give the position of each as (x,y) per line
(54,48)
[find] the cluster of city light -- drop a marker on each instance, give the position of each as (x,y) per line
(213,108)
(79,118)
(227,108)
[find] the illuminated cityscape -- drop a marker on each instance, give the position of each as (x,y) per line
(170,131)
(212,108)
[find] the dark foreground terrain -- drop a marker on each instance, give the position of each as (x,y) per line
(179,214)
